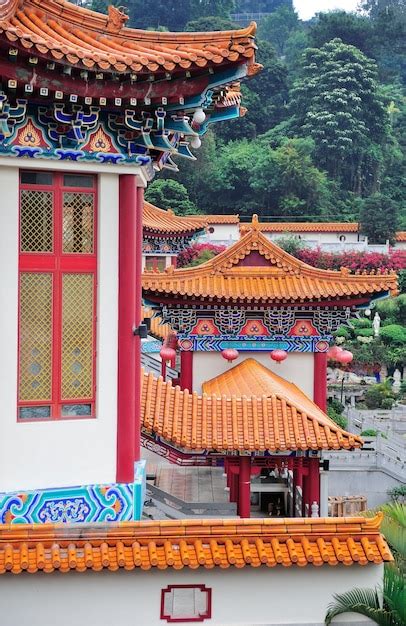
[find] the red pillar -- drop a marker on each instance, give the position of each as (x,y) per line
(244,487)
(298,479)
(233,485)
(186,369)
(314,481)
(320,380)
(129,316)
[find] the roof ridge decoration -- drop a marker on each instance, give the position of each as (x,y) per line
(178,544)
(230,423)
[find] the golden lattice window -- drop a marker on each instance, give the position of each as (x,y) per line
(36,228)
(77,336)
(57,303)
(35,336)
(78,222)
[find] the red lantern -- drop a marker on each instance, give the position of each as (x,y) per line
(333,353)
(229,354)
(345,357)
(278,355)
(167,354)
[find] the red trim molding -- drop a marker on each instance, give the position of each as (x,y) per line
(187,619)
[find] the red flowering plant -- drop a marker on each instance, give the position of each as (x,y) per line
(354,261)
(198,253)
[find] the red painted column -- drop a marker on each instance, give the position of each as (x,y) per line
(138,321)
(244,487)
(129,313)
(298,478)
(314,481)
(186,369)
(234,484)
(320,380)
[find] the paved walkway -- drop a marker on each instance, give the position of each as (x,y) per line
(191,484)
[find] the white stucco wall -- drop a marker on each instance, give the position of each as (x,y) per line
(222,233)
(298,368)
(317,237)
(65,452)
(245,597)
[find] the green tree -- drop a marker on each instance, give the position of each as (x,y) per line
(336,102)
(174,14)
(355,30)
(378,218)
(211,23)
(285,180)
(264,97)
(278,26)
(169,194)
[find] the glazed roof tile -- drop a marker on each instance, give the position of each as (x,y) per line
(191,543)
(304,227)
(401,235)
(251,378)
(279,421)
(218,219)
(78,36)
(159,221)
(282,279)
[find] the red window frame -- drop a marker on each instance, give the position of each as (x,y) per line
(185,619)
(59,263)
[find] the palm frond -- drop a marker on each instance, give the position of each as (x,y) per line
(394,591)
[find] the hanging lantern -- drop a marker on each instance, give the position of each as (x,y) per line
(333,353)
(345,357)
(278,355)
(229,354)
(167,354)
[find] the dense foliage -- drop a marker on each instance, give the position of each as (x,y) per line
(325,133)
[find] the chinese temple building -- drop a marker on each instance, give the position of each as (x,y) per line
(165,234)
(251,302)
(90,110)
(256,298)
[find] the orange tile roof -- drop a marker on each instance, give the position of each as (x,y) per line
(276,423)
(191,543)
(158,329)
(401,235)
(283,279)
(60,30)
(250,378)
(158,221)
(304,227)
(218,219)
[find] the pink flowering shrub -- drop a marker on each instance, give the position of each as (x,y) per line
(354,261)
(192,254)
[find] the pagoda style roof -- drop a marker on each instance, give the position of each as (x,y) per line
(256,270)
(280,421)
(191,543)
(401,235)
(160,222)
(251,378)
(66,32)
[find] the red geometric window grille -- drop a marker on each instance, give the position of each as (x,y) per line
(58,266)
(186,603)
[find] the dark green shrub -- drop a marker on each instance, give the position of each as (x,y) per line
(369,432)
(338,418)
(387,403)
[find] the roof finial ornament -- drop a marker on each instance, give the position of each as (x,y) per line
(117,17)
(255,222)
